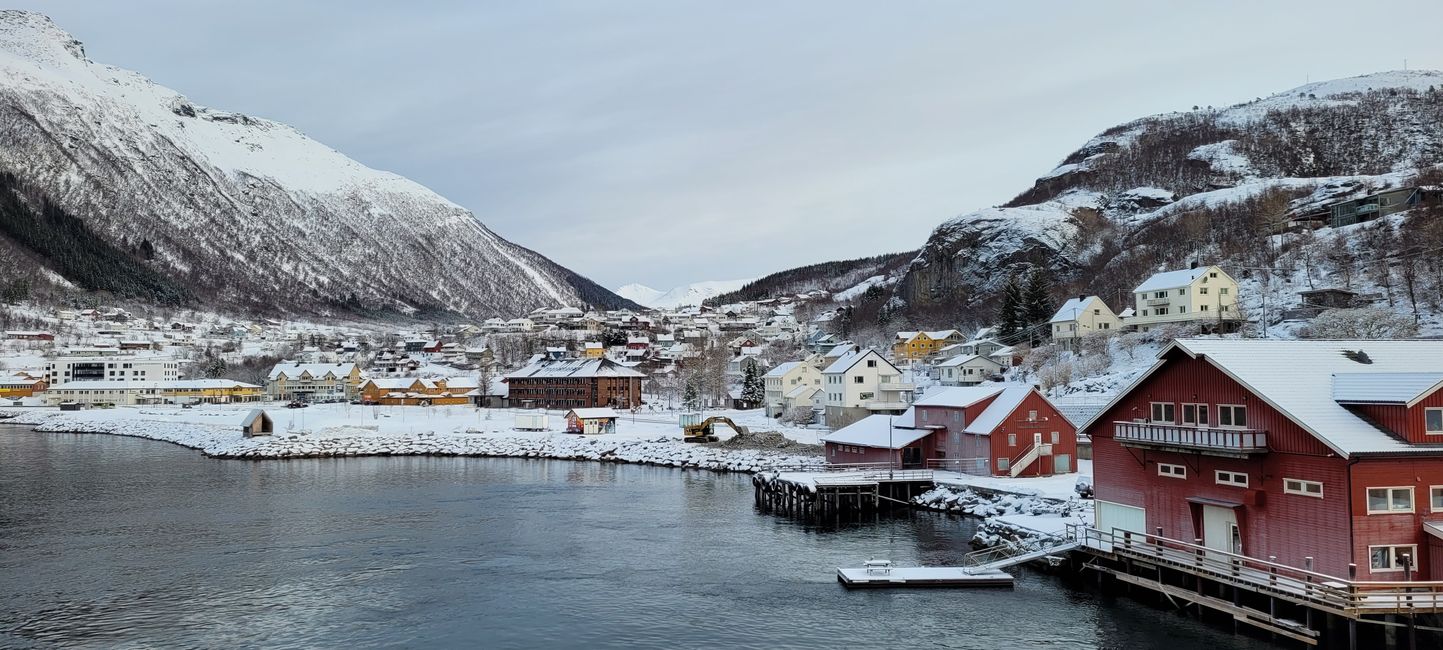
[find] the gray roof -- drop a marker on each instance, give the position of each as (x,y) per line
(1384,387)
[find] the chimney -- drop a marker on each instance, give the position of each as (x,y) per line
(1081,297)
(1192,265)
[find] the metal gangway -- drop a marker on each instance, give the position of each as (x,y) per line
(1013,553)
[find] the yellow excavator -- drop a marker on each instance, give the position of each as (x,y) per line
(703,431)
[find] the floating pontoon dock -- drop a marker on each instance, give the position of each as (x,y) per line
(921,577)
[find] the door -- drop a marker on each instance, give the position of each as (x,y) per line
(1061,463)
(1220,529)
(911,457)
(1113,518)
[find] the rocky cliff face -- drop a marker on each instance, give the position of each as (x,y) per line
(1164,190)
(241,211)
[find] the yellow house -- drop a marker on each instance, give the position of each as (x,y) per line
(20,386)
(593,350)
(174,391)
(314,382)
(916,346)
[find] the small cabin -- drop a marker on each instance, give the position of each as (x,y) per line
(257,423)
(591,421)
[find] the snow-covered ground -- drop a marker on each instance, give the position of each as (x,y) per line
(347,430)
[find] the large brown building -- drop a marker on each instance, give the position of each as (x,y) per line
(575,383)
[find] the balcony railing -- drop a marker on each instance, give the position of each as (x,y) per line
(1153,302)
(1232,441)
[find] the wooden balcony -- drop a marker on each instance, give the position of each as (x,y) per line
(1217,442)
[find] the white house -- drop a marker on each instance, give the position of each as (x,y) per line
(786,378)
(1081,316)
(862,383)
(968,370)
(1204,295)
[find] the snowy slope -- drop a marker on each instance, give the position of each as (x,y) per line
(245,210)
(686,295)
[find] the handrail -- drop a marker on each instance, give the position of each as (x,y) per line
(1317,588)
(1190,436)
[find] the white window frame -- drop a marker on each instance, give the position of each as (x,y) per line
(1392,557)
(1153,412)
(1434,490)
(1412,502)
(1300,487)
(1426,430)
(1230,478)
(1220,424)
(1197,409)
(1172,471)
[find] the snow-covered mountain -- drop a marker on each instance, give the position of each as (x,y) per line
(685,295)
(1168,189)
(238,210)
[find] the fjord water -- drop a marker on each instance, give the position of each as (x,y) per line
(120,542)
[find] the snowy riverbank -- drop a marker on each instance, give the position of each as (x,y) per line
(1008,516)
(215,432)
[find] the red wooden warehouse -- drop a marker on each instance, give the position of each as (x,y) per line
(1321,452)
(1001,429)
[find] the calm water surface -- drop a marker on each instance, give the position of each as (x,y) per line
(115,542)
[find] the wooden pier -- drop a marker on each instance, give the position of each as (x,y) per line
(839,489)
(1288,602)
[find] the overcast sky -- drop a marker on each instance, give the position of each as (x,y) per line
(668,142)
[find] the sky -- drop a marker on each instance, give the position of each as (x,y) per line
(667,142)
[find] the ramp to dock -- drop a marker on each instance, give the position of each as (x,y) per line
(1006,555)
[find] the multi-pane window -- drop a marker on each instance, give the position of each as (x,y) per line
(1163,412)
(1305,488)
(1174,471)
(1232,415)
(1235,479)
(1195,414)
(1387,500)
(1391,558)
(1433,421)
(1435,496)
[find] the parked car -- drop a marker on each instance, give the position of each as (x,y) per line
(297,405)
(1083,487)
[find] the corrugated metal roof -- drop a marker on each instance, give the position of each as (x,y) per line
(1170,279)
(872,431)
(1384,387)
(998,410)
(961,396)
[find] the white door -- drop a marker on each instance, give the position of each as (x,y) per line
(1220,529)
(1114,518)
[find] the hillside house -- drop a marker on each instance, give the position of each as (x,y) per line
(1081,316)
(575,383)
(1205,296)
(784,379)
(861,383)
(17,387)
(1381,204)
(29,335)
(1327,450)
(998,429)
(313,382)
(593,350)
(413,391)
(968,370)
(919,346)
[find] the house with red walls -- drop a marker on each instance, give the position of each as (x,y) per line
(1002,429)
(1321,453)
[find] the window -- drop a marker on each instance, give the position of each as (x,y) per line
(1056,438)
(858,379)
(1174,471)
(871,363)
(1435,496)
(1433,421)
(1163,412)
(1232,415)
(924,415)
(1235,479)
(1002,464)
(1202,307)
(1391,558)
(1182,292)
(1222,291)
(1161,311)
(1202,291)
(1387,500)
(1032,416)
(1195,414)
(1160,294)
(1305,488)
(1011,440)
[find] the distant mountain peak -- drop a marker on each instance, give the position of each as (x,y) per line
(686,295)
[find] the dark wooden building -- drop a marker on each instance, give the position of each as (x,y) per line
(575,383)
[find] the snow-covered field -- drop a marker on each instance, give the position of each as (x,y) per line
(346,430)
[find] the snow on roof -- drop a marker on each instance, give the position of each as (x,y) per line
(181,384)
(1070,309)
(958,360)
(1296,378)
(1384,387)
(293,370)
(992,416)
(804,389)
(782,368)
(1170,279)
(574,368)
(846,361)
(594,413)
(878,431)
(961,396)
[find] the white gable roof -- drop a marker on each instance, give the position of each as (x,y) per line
(782,369)
(960,396)
(1296,378)
(1170,279)
(1385,387)
(594,413)
(992,416)
(878,431)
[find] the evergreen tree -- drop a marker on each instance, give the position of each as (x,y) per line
(1036,302)
(1009,315)
(690,396)
(753,392)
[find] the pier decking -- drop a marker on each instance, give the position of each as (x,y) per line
(922,577)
